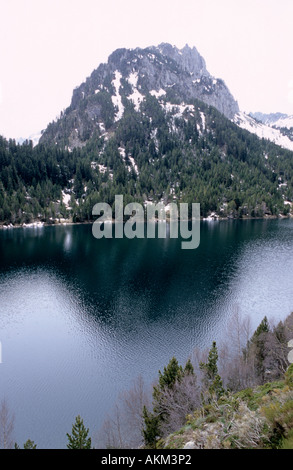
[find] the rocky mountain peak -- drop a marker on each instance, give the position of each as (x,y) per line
(176,76)
(188,58)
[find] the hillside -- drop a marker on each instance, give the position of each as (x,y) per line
(151,124)
(277,126)
(254,418)
(173,76)
(236,395)
(128,78)
(241,396)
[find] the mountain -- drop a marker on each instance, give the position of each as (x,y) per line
(154,125)
(175,76)
(268,119)
(276,120)
(277,127)
(276,131)
(261,419)
(33,137)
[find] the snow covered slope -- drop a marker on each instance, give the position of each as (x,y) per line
(264,131)
(286,122)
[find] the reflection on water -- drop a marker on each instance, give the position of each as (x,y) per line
(81,317)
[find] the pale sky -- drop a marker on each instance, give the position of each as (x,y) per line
(48,47)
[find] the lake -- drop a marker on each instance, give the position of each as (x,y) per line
(80,318)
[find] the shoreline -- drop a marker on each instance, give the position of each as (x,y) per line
(39,224)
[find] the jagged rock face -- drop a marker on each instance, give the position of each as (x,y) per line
(187,58)
(175,76)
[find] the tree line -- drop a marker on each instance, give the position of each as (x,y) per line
(151,154)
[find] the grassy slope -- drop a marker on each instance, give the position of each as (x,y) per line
(258,418)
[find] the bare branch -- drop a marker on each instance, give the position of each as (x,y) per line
(6,426)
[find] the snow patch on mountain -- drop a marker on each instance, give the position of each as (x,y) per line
(178,109)
(132,79)
(263,131)
(134,165)
(116,99)
(130,158)
(286,122)
(136,97)
(274,119)
(203,119)
(159,93)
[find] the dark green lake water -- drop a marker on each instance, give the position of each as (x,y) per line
(80,318)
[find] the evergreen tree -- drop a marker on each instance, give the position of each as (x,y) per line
(78,185)
(29,445)
(257,348)
(188,369)
(78,439)
(167,163)
(171,373)
(164,392)
(211,379)
(151,430)
(167,379)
